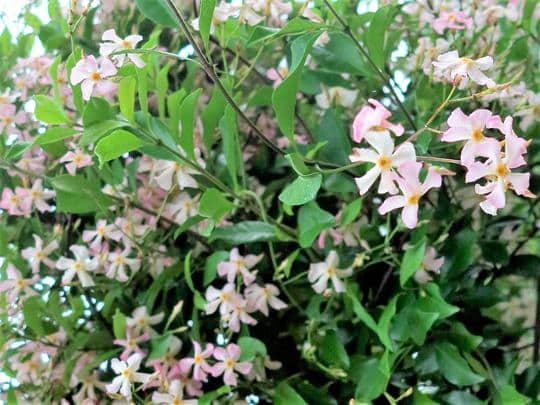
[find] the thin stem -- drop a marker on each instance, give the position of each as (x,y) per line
(385,78)
(439,159)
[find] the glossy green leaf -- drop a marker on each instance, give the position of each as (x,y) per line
(157,11)
(206,14)
(312,220)
(453,366)
(332,351)
(251,348)
(376,35)
(214,204)
(126,96)
(412,260)
(245,232)
(302,190)
(49,111)
(54,134)
(116,144)
(286,395)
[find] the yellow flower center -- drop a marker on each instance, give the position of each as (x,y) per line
(40,255)
(229,363)
(224,296)
(126,44)
(101,230)
(413,199)
(477,135)
(21,283)
(127,374)
(378,128)
(331,270)
(501,170)
(384,162)
(467,61)
(95,76)
(78,266)
(197,359)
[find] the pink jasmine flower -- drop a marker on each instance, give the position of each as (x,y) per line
(336,96)
(131,343)
(159,261)
(90,74)
(224,299)
(498,172)
(127,375)
(373,117)
(385,158)
(222,12)
(276,10)
(239,266)
(166,171)
(320,273)
(412,190)
(16,203)
(192,386)
(118,261)
(38,195)
(80,267)
(238,315)
(76,159)
(175,395)
(259,298)
(31,161)
(102,232)
(459,69)
(10,116)
(277,75)
(200,367)
(129,227)
(426,52)
(182,207)
(140,320)
(39,254)
(228,364)
(16,285)
(455,20)
(430,263)
(529,115)
(113,43)
(467,128)
(90,384)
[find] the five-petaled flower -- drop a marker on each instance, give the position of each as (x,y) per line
(320,273)
(92,74)
(228,364)
(113,43)
(127,375)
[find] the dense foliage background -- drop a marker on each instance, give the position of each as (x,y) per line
(201,202)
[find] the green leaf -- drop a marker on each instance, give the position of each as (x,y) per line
(174,101)
(187,119)
(312,220)
(509,395)
(376,35)
(250,348)
(284,97)
(116,144)
(297,163)
(126,96)
(412,260)
(210,267)
(286,395)
(332,351)
(198,298)
(205,19)
(119,324)
(331,130)
(350,212)
(77,195)
(231,143)
(97,110)
(460,250)
(96,131)
(453,366)
(33,314)
(432,301)
(160,345)
(214,205)
(245,232)
(56,134)
(211,116)
(301,190)
(157,11)
(370,376)
(49,111)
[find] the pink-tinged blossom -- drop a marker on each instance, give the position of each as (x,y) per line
(175,395)
(39,195)
(222,299)
(141,320)
(87,391)
(31,161)
(430,263)
(277,75)
(118,261)
(16,285)
(100,234)
(76,159)
(222,12)
(497,170)
(228,364)
(182,207)
(426,52)
(92,74)
(131,343)
(373,117)
(127,375)
(10,116)
(164,364)
(454,20)
(336,96)
(168,171)
(320,273)
(385,158)
(16,203)
(192,386)
(239,265)
(529,114)
(200,366)
(467,128)
(454,69)
(259,298)
(39,254)
(412,191)
(238,315)
(129,228)
(81,266)
(113,43)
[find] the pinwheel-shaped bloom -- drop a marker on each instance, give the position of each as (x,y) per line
(238,315)
(166,171)
(470,129)
(39,254)
(141,320)
(454,20)
(127,375)
(385,158)
(113,43)
(131,343)
(39,196)
(102,231)
(175,395)
(16,285)
(118,261)
(92,74)
(320,273)
(412,191)
(239,266)
(373,117)
(222,299)
(16,203)
(454,68)
(497,170)
(10,116)
(430,263)
(76,159)
(182,207)
(228,364)
(81,266)
(200,367)
(259,298)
